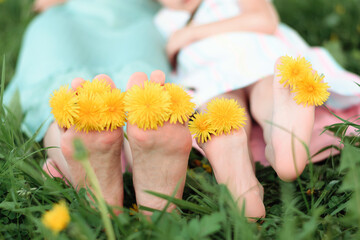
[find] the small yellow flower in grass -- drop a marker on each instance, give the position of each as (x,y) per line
(96,87)
(293,70)
(57,218)
(114,116)
(225,115)
(201,127)
(207,167)
(134,209)
(63,103)
(181,105)
(91,109)
(148,106)
(311,90)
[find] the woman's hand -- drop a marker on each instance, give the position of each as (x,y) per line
(177,41)
(42,5)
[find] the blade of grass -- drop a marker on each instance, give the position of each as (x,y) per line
(182,203)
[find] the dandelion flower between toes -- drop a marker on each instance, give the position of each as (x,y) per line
(64,106)
(307,85)
(181,106)
(92,107)
(225,115)
(311,90)
(201,127)
(222,116)
(150,105)
(57,218)
(292,70)
(115,115)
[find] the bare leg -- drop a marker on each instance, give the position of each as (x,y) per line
(273,107)
(104,155)
(230,159)
(159,156)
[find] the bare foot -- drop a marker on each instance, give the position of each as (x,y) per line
(104,149)
(230,160)
(289,119)
(160,156)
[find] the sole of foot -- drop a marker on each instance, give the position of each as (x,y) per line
(104,152)
(232,166)
(290,128)
(160,157)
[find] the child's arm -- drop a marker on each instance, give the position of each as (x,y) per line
(256,16)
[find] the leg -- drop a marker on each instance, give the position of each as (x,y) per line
(273,107)
(159,156)
(230,159)
(104,155)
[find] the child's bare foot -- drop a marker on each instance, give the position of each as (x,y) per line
(104,151)
(160,156)
(290,124)
(230,160)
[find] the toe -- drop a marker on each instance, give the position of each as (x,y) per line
(158,77)
(137,78)
(106,78)
(77,82)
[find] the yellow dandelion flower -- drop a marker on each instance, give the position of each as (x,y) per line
(293,70)
(181,105)
(201,127)
(91,109)
(134,209)
(225,115)
(95,87)
(207,167)
(63,103)
(57,218)
(312,90)
(148,106)
(114,116)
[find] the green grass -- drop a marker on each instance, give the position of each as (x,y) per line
(323,204)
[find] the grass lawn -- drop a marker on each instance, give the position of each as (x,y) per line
(324,203)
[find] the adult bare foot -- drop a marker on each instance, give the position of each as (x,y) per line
(291,126)
(230,160)
(104,151)
(160,156)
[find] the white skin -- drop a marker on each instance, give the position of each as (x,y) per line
(229,155)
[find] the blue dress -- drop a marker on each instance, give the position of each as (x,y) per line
(83,38)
